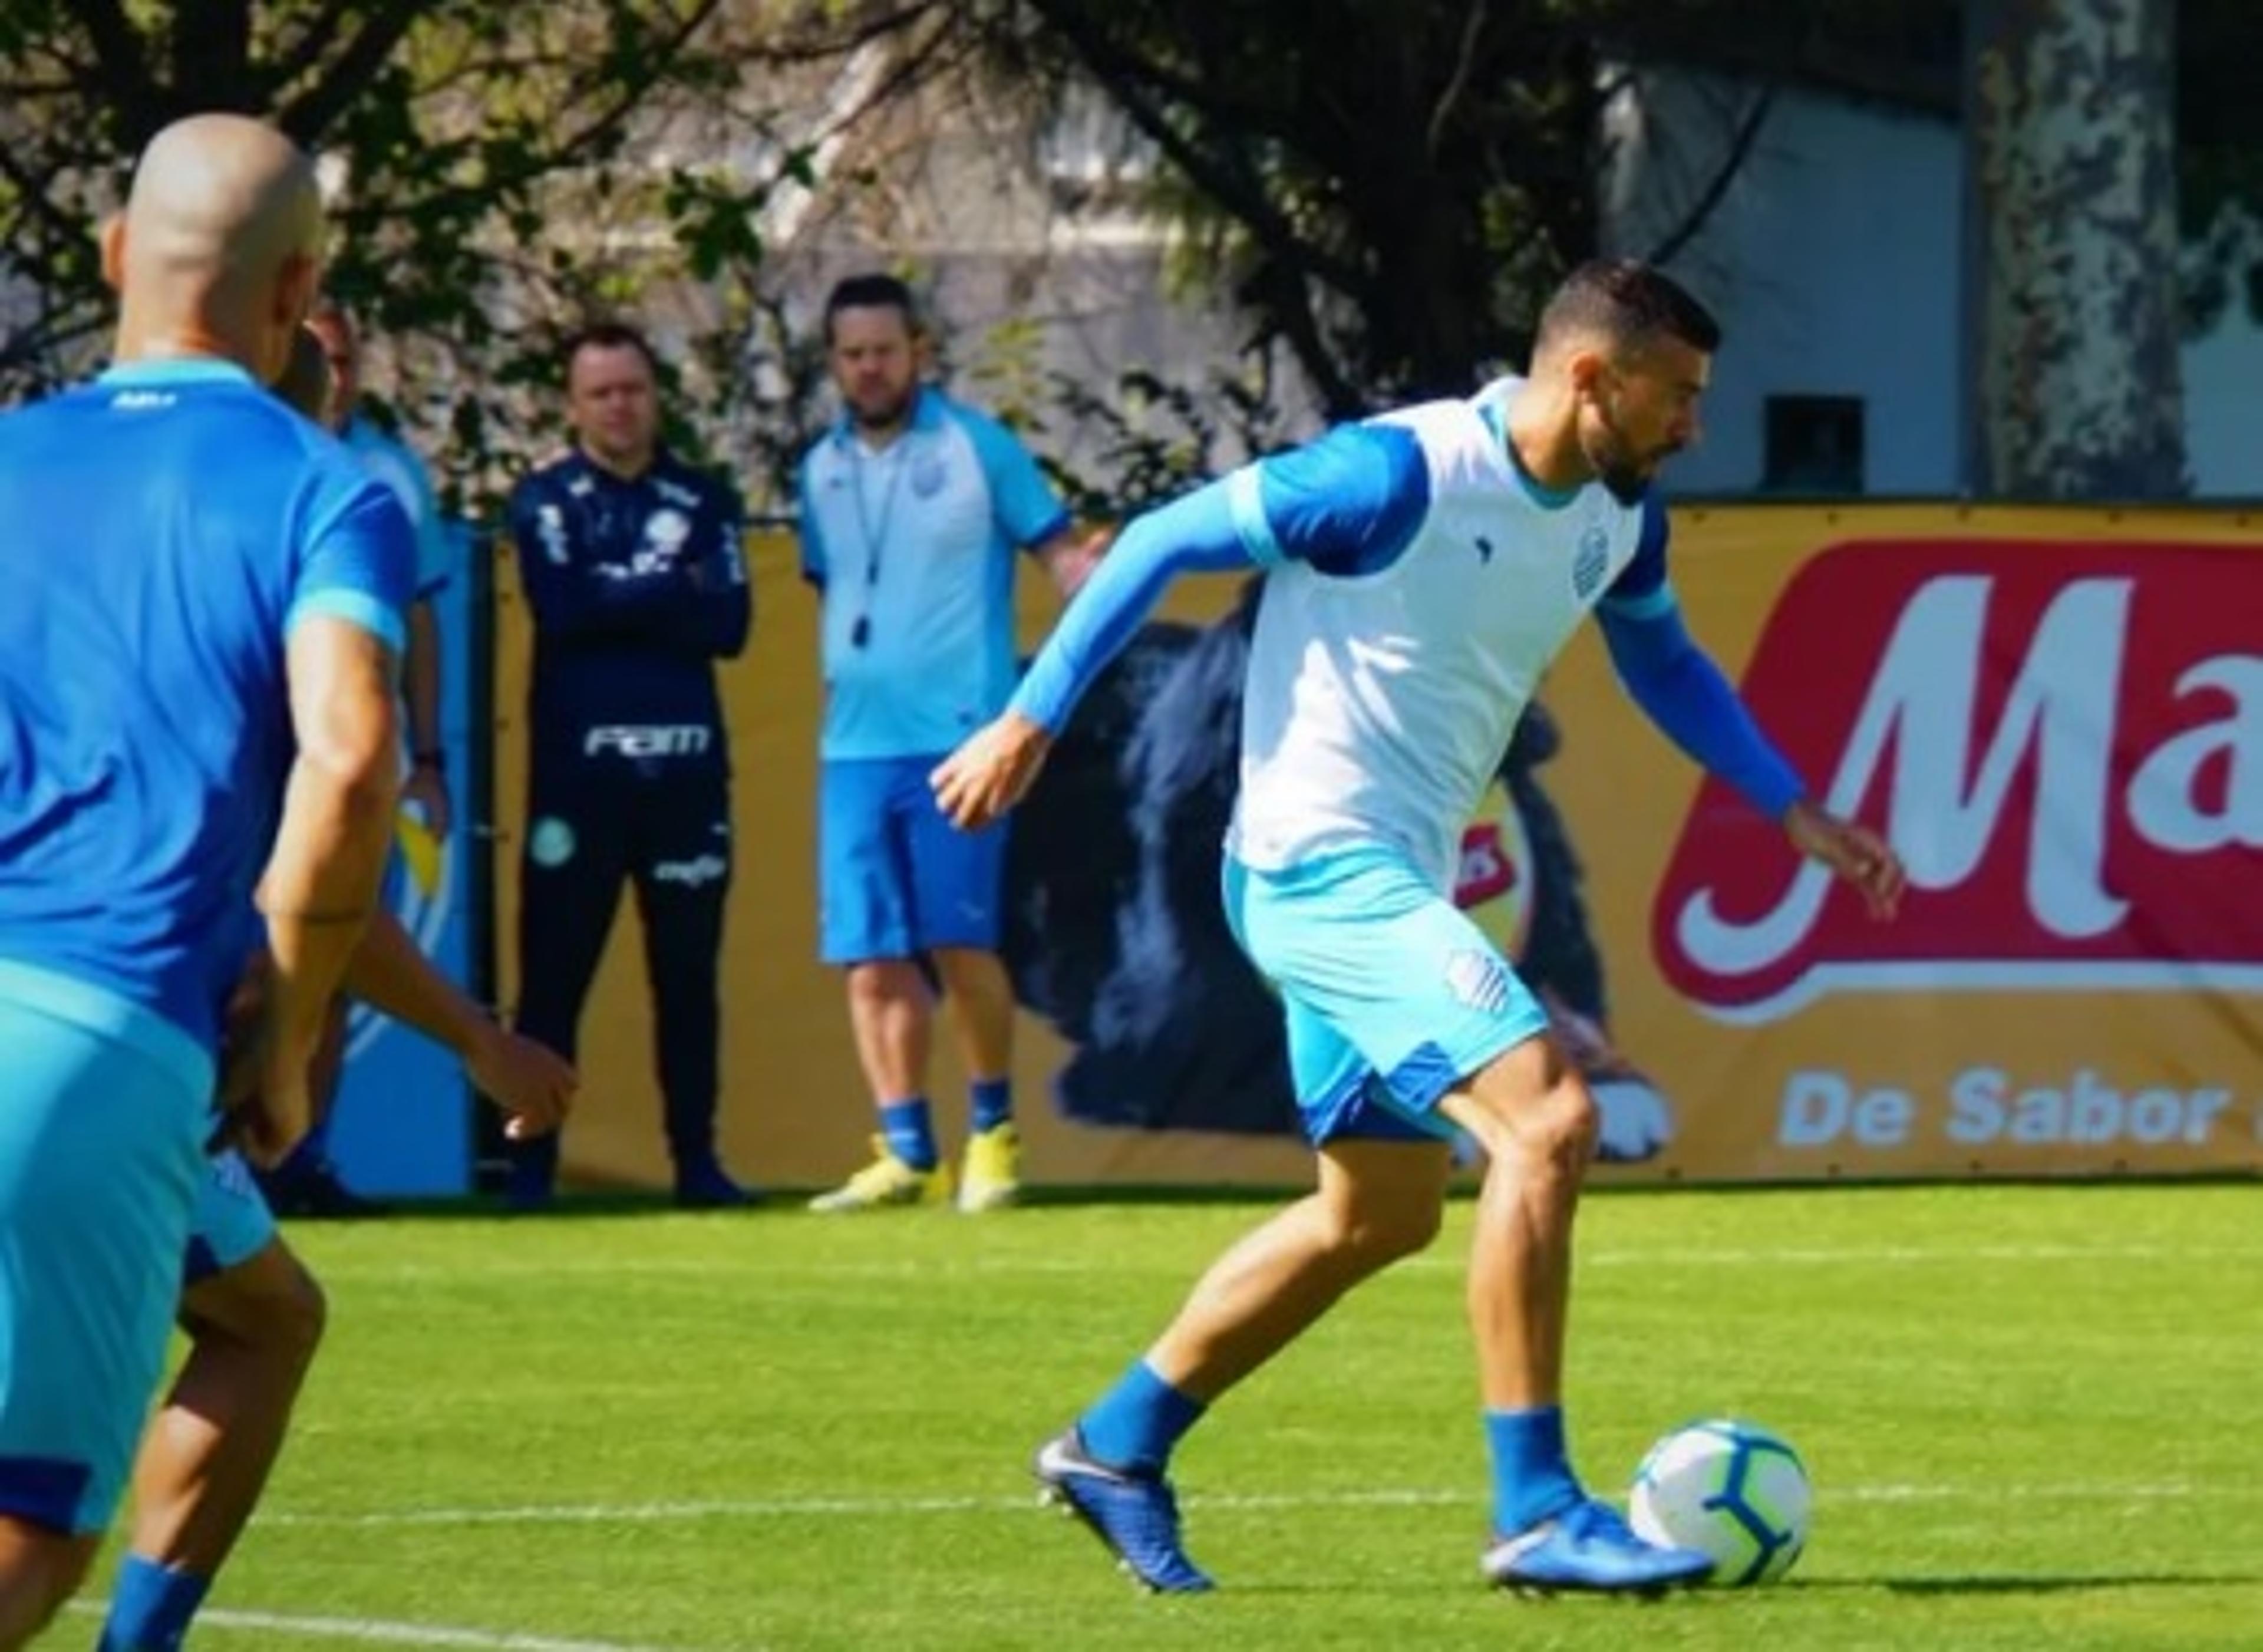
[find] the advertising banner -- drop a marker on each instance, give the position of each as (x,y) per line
(2056,716)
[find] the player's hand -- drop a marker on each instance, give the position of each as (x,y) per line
(528,1081)
(1072,565)
(426,791)
(1861,857)
(990,773)
(267,1095)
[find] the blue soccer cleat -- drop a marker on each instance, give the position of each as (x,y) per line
(1134,1514)
(1591,1549)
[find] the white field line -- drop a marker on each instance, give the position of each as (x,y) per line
(1678,1256)
(891,1508)
(382,1632)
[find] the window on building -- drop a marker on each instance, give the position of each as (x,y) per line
(1814,445)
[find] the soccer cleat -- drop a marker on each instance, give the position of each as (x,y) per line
(887,1180)
(1136,1515)
(1591,1549)
(705,1185)
(991,1177)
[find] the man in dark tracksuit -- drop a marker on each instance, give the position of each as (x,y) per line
(632,564)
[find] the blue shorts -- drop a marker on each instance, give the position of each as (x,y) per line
(231,1223)
(101,1153)
(1393,996)
(895,879)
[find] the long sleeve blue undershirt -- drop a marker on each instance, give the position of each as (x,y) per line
(1352,502)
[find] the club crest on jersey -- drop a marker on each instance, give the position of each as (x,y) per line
(551,843)
(666,530)
(927,476)
(1592,562)
(1480,980)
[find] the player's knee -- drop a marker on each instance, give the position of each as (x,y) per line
(1377,1232)
(308,1315)
(1541,1117)
(296,1312)
(884,982)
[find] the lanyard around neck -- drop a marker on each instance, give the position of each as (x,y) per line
(875,535)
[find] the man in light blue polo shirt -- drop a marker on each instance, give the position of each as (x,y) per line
(196,664)
(913,506)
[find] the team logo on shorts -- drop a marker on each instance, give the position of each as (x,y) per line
(1480,980)
(551,843)
(1592,562)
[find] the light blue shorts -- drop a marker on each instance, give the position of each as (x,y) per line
(1393,996)
(101,1154)
(895,879)
(231,1224)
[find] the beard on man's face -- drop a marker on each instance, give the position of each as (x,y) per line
(882,407)
(1626,472)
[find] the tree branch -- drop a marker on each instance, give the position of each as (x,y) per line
(307,50)
(1740,148)
(1472,29)
(307,116)
(122,65)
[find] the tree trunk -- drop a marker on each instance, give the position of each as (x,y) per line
(2070,124)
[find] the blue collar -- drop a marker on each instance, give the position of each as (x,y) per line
(1548,498)
(163,370)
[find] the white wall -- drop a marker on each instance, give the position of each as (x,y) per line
(1834,264)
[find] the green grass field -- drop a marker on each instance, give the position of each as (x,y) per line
(2033,1417)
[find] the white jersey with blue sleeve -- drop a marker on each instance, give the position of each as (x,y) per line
(1418,586)
(1380,699)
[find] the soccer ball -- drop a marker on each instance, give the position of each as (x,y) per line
(1729,1489)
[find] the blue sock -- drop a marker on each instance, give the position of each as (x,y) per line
(992,1102)
(1532,1478)
(1138,1421)
(909,1135)
(150,1607)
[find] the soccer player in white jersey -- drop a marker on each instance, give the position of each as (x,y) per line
(1422,569)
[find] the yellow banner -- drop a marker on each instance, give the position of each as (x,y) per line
(2058,716)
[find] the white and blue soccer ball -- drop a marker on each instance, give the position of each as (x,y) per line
(1730,1489)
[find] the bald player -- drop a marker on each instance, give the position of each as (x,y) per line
(252,1312)
(196,702)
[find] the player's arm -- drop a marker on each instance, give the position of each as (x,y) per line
(1347,503)
(344,637)
(575,597)
(427,785)
(391,974)
(1685,696)
(720,610)
(1028,512)
(1677,685)
(815,564)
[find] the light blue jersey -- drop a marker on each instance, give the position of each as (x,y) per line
(162,531)
(913,548)
(396,465)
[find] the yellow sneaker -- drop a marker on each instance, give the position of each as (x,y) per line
(992,1177)
(887,1180)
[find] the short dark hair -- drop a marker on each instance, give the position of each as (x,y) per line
(1629,302)
(872,291)
(608,335)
